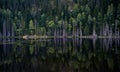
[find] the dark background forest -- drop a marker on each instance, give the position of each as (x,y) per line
(59,17)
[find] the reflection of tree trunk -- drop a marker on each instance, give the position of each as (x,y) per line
(80,42)
(4,41)
(110,42)
(116,45)
(101,43)
(4,47)
(94,43)
(64,45)
(35,51)
(106,43)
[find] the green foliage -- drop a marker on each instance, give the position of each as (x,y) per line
(94,19)
(73,21)
(6,13)
(69,27)
(118,12)
(42,20)
(79,18)
(83,16)
(99,18)
(23,24)
(87,9)
(14,26)
(86,30)
(75,8)
(59,23)
(51,24)
(81,23)
(31,49)
(110,63)
(51,50)
(94,22)
(89,19)
(42,30)
(110,10)
(31,25)
(75,65)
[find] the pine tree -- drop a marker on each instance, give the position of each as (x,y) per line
(31,26)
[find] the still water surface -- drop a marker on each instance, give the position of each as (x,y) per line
(60,55)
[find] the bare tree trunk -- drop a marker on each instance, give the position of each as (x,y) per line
(110,32)
(80,31)
(94,32)
(116,22)
(64,35)
(104,31)
(77,32)
(101,30)
(64,29)
(4,29)
(12,34)
(55,32)
(107,29)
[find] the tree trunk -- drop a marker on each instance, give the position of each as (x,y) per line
(55,32)
(80,31)
(4,28)
(116,22)
(94,32)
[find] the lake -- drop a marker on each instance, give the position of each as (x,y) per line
(60,55)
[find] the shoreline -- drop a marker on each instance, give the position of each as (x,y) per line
(47,37)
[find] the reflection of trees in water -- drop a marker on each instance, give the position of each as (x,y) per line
(117,44)
(94,43)
(62,55)
(108,43)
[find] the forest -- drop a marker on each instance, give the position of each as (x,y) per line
(59,18)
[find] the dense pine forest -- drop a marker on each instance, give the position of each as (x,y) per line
(59,17)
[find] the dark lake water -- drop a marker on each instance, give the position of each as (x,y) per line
(60,55)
